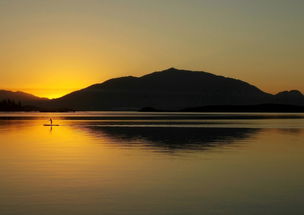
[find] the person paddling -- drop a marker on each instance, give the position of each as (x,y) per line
(51,121)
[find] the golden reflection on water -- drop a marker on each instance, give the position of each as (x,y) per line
(102,170)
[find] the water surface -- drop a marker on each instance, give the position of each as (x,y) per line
(151,163)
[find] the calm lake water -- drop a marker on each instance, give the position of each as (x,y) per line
(151,163)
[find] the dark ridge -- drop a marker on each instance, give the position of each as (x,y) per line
(171,89)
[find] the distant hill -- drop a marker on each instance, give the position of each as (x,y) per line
(20,101)
(293,97)
(22,97)
(171,89)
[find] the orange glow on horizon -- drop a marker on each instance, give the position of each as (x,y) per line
(63,88)
(49,93)
(65,47)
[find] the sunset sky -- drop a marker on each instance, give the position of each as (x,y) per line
(52,47)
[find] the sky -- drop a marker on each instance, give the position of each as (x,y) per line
(52,47)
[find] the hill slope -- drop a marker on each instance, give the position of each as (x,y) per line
(170,89)
(22,97)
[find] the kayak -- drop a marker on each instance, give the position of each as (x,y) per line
(50,125)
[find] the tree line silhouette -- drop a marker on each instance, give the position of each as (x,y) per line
(11,105)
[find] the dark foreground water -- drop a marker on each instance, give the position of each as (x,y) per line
(144,163)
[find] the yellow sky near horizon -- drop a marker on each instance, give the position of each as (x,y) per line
(50,48)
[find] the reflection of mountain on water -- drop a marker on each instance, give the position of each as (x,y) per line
(174,138)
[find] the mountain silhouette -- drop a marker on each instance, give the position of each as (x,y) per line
(18,96)
(19,101)
(293,97)
(171,89)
